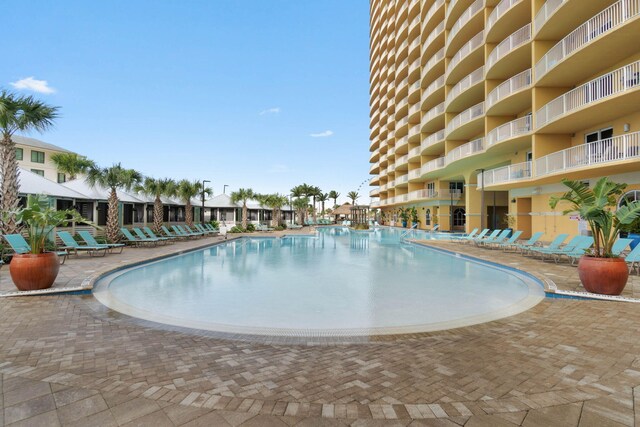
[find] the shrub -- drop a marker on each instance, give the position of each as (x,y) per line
(236,229)
(214,223)
(251,228)
(280,228)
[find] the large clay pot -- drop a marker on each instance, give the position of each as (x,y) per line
(607,276)
(30,272)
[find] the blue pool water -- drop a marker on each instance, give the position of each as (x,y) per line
(338,282)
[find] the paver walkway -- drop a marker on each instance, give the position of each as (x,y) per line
(67,360)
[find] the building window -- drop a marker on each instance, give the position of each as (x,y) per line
(459,217)
(19,154)
(37,156)
(427,220)
(38,172)
(456,187)
(629,197)
(61,177)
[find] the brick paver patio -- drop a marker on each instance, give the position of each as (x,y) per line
(67,360)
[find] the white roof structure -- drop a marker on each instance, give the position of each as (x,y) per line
(98,192)
(32,183)
(36,143)
(221,201)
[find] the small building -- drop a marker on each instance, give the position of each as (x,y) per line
(35,156)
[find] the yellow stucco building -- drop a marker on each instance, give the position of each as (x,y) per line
(486,105)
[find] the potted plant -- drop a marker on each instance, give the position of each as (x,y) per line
(38,269)
(414,217)
(509,222)
(404,216)
(599,269)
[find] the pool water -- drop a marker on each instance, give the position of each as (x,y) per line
(339,282)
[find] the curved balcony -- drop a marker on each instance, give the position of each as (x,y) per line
(511,54)
(516,89)
(374,180)
(467,124)
(468,58)
(433,41)
(465,150)
(433,165)
(433,119)
(413,67)
(414,174)
(414,133)
(374,193)
(520,127)
(468,24)
(433,94)
(588,103)
(433,15)
(375,156)
(401,108)
(401,145)
(401,162)
(423,194)
(434,67)
(455,9)
(374,168)
(505,175)
(556,17)
(606,152)
(414,153)
(471,83)
(575,57)
(431,144)
(414,91)
(414,49)
(506,16)
(402,180)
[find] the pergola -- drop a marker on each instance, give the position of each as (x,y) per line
(359,214)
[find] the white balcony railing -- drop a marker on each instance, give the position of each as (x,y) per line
(402,141)
(500,10)
(465,117)
(608,20)
(401,161)
(414,174)
(464,84)
(432,10)
(613,83)
(414,109)
(506,174)
(515,40)
(465,50)
(415,151)
(475,7)
(465,150)
(545,12)
(508,87)
(434,86)
(509,130)
(403,179)
(423,194)
(609,150)
(401,198)
(432,165)
(432,113)
(414,130)
(433,35)
(433,139)
(437,57)
(414,65)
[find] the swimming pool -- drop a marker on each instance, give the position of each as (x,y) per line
(337,283)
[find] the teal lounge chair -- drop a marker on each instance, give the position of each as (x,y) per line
(500,237)
(181,231)
(211,228)
(169,233)
(131,239)
(70,244)
(620,246)
(188,229)
(261,227)
(20,246)
(553,246)
(91,241)
(508,242)
(466,236)
(491,236)
(465,239)
(200,228)
(577,252)
(533,240)
(143,236)
(153,235)
(633,259)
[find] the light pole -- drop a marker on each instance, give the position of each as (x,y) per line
(224,189)
(204,182)
(482,213)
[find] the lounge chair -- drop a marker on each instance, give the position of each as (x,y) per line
(70,244)
(142,236)
(490,237)
(435,228)
(188,229)
(91,241)
(466,236)
(211,228)
(294,226)
(576,253)
(633,259)
(508,242)
(181,230)
(620,246)
(533,240)
(497,238)
(202,229)
(20,246)
(554,245)
(169,233)
(261,227)
(153,235)
(131,239)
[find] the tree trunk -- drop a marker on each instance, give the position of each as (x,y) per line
(275,218)
(157,215)
(9,187)
(188,214)
(112,231)
(244,215)
(314,213)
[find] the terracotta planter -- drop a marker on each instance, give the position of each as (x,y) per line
(30,272)
(607,276)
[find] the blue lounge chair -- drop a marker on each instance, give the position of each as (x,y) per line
(633,259)
(91,241)
(211,228)
(20,246)
(153,235)
(577,252)
(533,240)
(620,246)
(508,242)
(141,235)
(555,244)
(491,236)
(468,238)
(188,229)
(435,228)
(182,232)
(169,233)
(202,229)
(71,245)
(261,227)
(131,239)
(497,238)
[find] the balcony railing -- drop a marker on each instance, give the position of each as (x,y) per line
(415,43)
(402,103)
(437,57)
(475,7)
(401,198)
(403,160)
(414,174)
(465,50)
(609,150)
(466,82)
(375,204)
(434,86)
(403,179)
(432,165)
(414,65)
(545,12)
(500,10)
(433,35)
(432,113)
(508,87)
(609,19)
(402,141)
(423,194)
(433,139)
(432,10)
(415,151)
(374,192)
(506,174)
(403,122)
(414,21)
(414,130)
(509,130)
(414,86)
(465,117)
(465,150)
(515,40)
(613,83)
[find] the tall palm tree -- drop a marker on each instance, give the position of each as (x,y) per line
(333,194)
(242,195)
(323,198)
(158,188)
(299,192)
(300,205)
(72,164)
(353,196)
(187,190)
(113,177)
(314,193)
(23,114)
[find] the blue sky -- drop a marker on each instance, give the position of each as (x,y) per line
(265,94)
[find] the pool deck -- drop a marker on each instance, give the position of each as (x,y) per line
(67,360)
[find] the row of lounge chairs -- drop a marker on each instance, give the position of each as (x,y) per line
(146,236)
(556,250)
(319,221)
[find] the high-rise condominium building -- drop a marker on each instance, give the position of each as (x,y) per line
(480,107)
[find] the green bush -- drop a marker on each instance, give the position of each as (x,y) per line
(214,223)
(236,229)
(280,228)
(251,228)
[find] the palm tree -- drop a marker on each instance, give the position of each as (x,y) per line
(275,202)
(300,205)
(187,190)
(157,188)
(24,114)
(322,198)
(333,194)
(314,193)
(353,196)
(113,177)
(72,164)
(301,191)
(242,195)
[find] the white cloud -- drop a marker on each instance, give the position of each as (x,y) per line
(274,110)
(324,134)
(40,86)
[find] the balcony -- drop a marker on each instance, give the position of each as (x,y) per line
(507,89)
(465,150)
(414,153)
(434,14)
(469,81)
(415,65)
(374,168)
(471,53)
(509,131)
(402,180)
(467,123)
(433,119)
(433,165)
(414,174)
(374,193)
(375,205)
(599,153)
(505,175)
(434,67)
(430,143)
(587,103)
(578,54)
(402,162)
(434,40)
(402,144)
(374,180)
(414,132)
(506,16)
(433,94)
(422,194)
(518,50)
(470,22)
(547,9)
